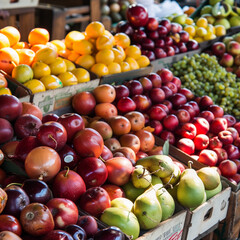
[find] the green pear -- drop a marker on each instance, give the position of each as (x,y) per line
(167,203)
(234,21)
(132,192)
(210,177)
(211,193)
(160,165)
(221,9)
(156,180)
(211,19)
(181,19)
(230,2)
(173,191)
(206,10)
(203,201)
(213,2)
(123,219)
(148,209)
(122,203)
(140,177)
(190,191)
(174,177)
(222,21)
(236,37)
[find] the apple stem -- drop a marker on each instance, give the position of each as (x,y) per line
(50,136)
(102,159)
(190,163)
(11,184)
(66,168)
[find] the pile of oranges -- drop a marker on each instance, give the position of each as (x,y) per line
(98,50)
(37,63)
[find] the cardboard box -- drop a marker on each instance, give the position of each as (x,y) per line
(168,61)
(119,78)
(207,216)
(8,4)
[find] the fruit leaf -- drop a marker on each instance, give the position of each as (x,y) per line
(11,167)
(166,148)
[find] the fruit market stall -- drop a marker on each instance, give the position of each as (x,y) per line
(132,134)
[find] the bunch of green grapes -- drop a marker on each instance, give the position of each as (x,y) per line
(203,75)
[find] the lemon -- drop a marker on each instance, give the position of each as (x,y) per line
(35,86)
(22,73)
(40,69)
(68,78)
(114,68)
(51,82)
(81,74)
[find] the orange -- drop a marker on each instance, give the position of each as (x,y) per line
(220,30)
(133,51)
(143,61)
(85,61)
(68,79)
(114,68)
(72,56)
(21,45)
(51,82)
(209,36)
(8,59)
(4,42)
(37,47)
(64,53)
(59,44)
(125,67)
(94,29)
(190,10)
(190,29)
(26,56)
(201,32)
(12,34)
(122,39)
(5,90)
(189,21)
(40,70)
(35,86)
(81,74)
(132,63)
(105,56)
(83,47)
(107,33)
(71,37)
(49,44)
(100,69)
(202,22)
(30,108)
(119,54)
(46,55)
(58,66)
(3,81)
(104,42)
(70,65)
(38,36)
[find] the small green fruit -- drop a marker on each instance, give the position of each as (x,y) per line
(22,73)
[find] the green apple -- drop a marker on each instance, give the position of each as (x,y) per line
(234,21)
(211,19)
(227,39)
(222,21)
(213,2)
(181,19)
(206,9)
(22,73)
(236,37)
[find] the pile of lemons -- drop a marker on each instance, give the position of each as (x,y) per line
(98,50)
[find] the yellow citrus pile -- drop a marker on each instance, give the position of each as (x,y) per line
(37,63)
(201,30)
(98,50)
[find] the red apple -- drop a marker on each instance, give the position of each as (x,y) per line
(153,35)
(142,102)
(165,74)
(208,157)
(125,27)
(175,27)
(215,143)
(88,143)
(73,123)
(186,145)
(192,45)
(170,51)
(168,92)
(236,177)
(152,24)
(146,83)
(166,23)
(121,91)
(138,35)
(135,87)
(221,153)
(36,219)
(113,191)
(155,79)
(57,235)
(172,86)
(168,104)
(228,168)
(68,184)
(10,223)
(188,107)
(52,134)
(218,125)
(94,201)
(64,212)
(93,171)
(183,116)
(201,125)
(10,107)
(231,120)
(237,127)
(201,141)
(50,117)
(207,115)
(177,82)
(156,125)
(157,95)
(180,165)
(137,15)
(162,31)
(157,113)
(184,36)
(27,125)
(237,142)
(234,132)
(188,130)
(6,131)
(167,135)
(225,137)
(237,161)
(218,48)
(186,92)
(195,106)
(177,100)
(69,157)
(83,103)
(216,110)
(147,44)
(126,104)
(232,151)
(159,52)
(159,43)
(106,153)
(150,54)
(170,122)
(89,224)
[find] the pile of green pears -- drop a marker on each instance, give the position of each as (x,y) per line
(222,12)
(156,183)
